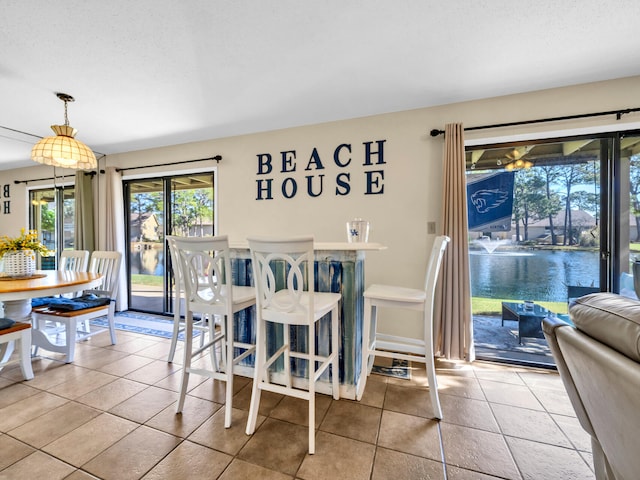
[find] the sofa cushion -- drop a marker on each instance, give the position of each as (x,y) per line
(611,319)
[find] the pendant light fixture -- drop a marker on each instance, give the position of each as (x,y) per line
(63,150)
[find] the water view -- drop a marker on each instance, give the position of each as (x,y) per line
(540,275)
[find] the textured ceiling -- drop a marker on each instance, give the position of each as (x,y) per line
(150,73)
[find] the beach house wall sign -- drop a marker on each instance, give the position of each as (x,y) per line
(289,174)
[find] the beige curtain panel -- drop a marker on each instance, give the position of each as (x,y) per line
(454,332)
(84,228)
(115,235)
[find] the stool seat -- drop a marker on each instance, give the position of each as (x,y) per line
(395,294)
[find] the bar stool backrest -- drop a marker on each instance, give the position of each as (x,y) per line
(284,279)
(205,271)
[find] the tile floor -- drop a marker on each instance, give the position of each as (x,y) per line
(110,415)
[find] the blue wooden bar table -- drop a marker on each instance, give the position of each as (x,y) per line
(339,268)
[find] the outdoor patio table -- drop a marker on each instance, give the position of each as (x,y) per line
(529,320)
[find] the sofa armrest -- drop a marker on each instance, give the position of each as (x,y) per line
(550,324)
(550,328)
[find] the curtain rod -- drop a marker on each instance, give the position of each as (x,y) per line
(618,113)
(53,178)
(217,158)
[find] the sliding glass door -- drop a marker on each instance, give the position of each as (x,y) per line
(540,231)
(629,214)
(175,205)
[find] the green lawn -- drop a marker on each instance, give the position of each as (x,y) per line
(151,280)
(493,306)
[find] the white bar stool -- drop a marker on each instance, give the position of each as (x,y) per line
(284,279)
(419,350)
(205,266)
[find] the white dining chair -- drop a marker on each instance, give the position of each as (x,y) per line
(107,264)
(284,282)
(205,266)
(73,260)
(16,335)
(201,323)
(375,343)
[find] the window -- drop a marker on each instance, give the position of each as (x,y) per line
(52,214)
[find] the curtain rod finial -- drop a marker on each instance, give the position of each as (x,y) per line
(435,132)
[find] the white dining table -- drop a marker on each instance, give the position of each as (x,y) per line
(16,295)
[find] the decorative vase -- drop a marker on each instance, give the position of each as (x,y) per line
(20,264)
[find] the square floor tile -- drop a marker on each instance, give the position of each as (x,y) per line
(390,464)
(229,440)
(410,434)
(89,440)
(540,461)
(144,405)
(478,450)
(194,412)
(338,457)
(37,465)
(296,410)
(54,424)
(277,445)
(190,461)
(132,456)
(353,420)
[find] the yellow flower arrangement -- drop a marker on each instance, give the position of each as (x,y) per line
(26,241)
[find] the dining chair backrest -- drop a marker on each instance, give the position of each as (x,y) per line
(283,273)
(205,271)
(107,264)
(74,260)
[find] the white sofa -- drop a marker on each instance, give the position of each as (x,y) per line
(599,363)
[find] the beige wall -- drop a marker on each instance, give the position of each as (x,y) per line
(412,172)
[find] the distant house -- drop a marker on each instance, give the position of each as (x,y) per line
(201,229)
(581,222)
(145,227)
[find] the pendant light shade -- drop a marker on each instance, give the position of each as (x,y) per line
(64,150)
